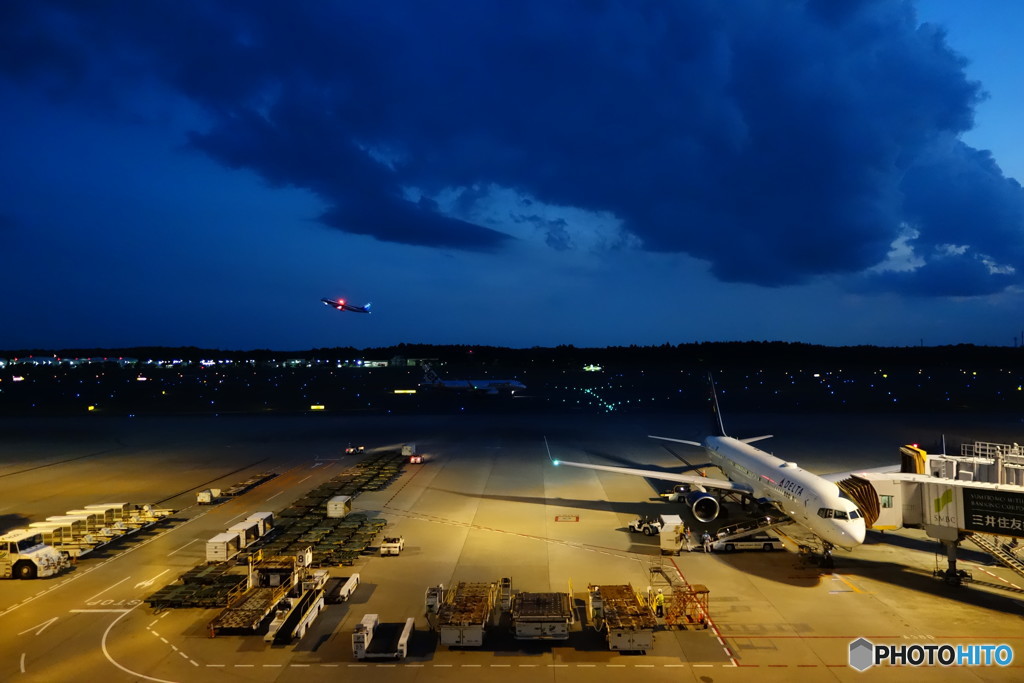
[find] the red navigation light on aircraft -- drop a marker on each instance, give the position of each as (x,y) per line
(342,306)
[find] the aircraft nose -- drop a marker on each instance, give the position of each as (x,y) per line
(858,531)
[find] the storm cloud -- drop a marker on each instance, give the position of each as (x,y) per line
(779,142)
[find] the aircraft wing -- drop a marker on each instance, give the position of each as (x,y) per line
(706,482)
(839,476)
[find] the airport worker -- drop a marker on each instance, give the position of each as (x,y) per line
(659,604)
(688,533)
(706,538)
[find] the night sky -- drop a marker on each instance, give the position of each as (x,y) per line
(511,173)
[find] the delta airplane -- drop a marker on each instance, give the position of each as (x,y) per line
(809,500)
(342,306)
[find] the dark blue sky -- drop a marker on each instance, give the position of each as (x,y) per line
(510,173)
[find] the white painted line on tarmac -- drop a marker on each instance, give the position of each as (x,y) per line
(39,628)
(114,611)
(149,582)
(237,516)
(183,547)
(275,496)
(22,662)
(106,652)
(302,480)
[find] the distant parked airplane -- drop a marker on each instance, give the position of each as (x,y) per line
(342,306)
(485,386)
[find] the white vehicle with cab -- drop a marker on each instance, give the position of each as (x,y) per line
(759,541)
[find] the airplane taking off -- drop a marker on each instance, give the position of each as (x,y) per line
(809,500)
(342,306)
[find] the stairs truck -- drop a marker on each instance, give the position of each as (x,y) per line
(23,555)
(372,639)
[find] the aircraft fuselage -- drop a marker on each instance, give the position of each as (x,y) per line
(806,498)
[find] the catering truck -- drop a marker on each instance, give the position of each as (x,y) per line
(23,555)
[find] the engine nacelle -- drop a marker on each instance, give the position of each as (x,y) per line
(703,505)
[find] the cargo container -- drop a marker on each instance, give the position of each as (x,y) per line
(339,506)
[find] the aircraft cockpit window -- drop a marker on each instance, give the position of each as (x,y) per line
(825,512)
(839,514)
(855,514)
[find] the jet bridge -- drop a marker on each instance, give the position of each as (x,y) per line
(977,495)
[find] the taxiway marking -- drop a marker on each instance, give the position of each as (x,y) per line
(39,628)
(149,582)
(89,601)
(183,547)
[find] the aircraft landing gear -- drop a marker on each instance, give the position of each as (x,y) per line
(826,561)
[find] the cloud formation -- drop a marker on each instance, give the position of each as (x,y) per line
(780,142)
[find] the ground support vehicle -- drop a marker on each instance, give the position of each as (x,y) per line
(23,555)
(649,525)
(624,616)
(340,588)
(372,639)
(461,615)
(270,580)
(541,616)
(298,610)
(392,545)
(753,541)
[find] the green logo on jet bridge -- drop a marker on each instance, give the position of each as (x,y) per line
(943,500)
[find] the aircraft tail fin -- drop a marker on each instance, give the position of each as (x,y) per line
(717,428)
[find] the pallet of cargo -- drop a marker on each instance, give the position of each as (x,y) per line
(464,612)
(541,616)
(249,610)
(627,619)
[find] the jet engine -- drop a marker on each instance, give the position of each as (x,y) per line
(704,505)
